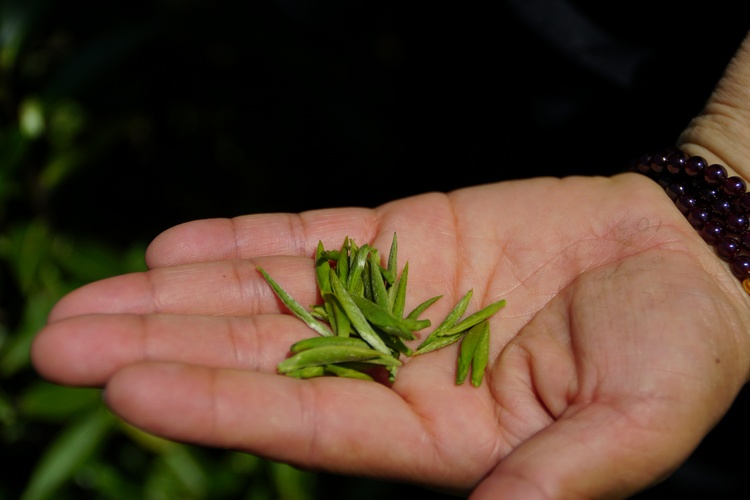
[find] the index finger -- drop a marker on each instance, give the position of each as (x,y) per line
(258,234)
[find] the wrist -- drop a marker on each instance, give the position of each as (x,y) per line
(713,199)
(733,154)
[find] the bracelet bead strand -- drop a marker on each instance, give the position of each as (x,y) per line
(716,204)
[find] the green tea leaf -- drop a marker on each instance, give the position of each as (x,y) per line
(342,323)
(342,371)
(468,349)
(377,285)
(393,257)
(326,355)
(475,318)
(295,306)
(481,357)
(383,318)
(314,342)
(320,311)
(322,270)
(359,322)
(453,316)
(308,372)
(438,343)
(356,269)
(397,293)
(417,311)
(342,262)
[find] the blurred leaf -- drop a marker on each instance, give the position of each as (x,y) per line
(7,411)
(66,121)
(4,334)
(291,483)
(37,256)
(17,19)
(260,492)
(31,120)
(106,480)
(74,445)
(46,267)
(23,263)
(15,352)
(13,148)
(89,260)
(232,472)
(69,157)
(184,466)
(134,258)
(243,463)
(145,440)
(60,167)
(26,249)
(176,474)
(54,403)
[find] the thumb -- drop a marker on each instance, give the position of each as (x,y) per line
(600,451)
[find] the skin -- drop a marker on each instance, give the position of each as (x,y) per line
(623,342)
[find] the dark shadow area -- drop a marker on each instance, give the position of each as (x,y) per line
(226,108)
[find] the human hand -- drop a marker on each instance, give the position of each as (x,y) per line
(622,344)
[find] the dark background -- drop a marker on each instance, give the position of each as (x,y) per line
(178,110)
(227,107)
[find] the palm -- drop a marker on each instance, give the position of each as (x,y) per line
(611,312)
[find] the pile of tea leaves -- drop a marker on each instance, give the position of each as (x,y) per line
(362,325)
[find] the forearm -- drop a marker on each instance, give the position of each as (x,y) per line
(720,133)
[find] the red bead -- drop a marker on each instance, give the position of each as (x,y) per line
(722,206)
(686,203)
(643,165)
(711,192)
(737,222)
(715,174)
(658,162)
(676,162)
(715,204)
(727,248)
(712,231)
(740,266)
(696,165)
(734,187)
(699,216)
(675,190)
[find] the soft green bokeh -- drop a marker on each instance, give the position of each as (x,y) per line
(60,442)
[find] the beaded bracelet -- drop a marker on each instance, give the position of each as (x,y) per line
(714,203)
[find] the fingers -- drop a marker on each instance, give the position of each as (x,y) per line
(261,234)
(216,288)
(345,426)
(88,350)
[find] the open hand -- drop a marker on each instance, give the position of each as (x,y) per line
(622,343)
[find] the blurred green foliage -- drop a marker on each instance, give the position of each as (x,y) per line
(59,442)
